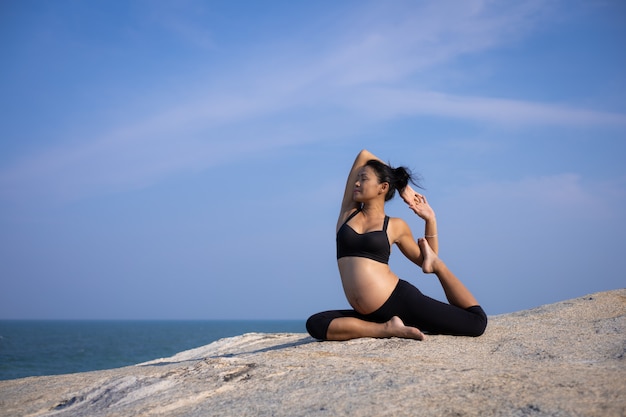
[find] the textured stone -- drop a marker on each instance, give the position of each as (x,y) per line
(563,359)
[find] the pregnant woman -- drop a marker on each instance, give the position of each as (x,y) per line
(384,305)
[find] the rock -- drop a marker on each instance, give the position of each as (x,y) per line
(563,359)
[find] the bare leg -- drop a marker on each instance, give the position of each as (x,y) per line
(346,328)
(456,293)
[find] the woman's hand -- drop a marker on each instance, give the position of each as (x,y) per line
(417,202)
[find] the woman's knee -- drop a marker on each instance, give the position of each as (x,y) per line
(480,324)
(317,325)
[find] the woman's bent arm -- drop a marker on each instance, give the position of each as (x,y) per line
(348,204)
(418,203)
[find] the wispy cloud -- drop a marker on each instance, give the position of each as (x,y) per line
(565,195)
(387,103)
(372,67)
(392,40)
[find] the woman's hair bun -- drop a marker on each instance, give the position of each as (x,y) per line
(398,178)
(402,176)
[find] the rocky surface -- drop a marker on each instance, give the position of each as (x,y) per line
(563,359)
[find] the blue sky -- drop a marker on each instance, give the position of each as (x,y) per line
(186,160)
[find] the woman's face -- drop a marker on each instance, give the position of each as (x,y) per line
(367,186)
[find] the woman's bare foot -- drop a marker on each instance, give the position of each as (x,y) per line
(395,327)
(430,257)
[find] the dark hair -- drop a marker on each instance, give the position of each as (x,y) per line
(397,178)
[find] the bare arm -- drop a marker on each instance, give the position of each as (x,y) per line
(406,243)
(417,202)
(348,204)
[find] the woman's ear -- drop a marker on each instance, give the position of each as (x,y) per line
(384,187)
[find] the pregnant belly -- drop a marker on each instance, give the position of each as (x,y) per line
(366,283)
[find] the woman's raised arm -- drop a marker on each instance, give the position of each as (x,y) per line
(348,204)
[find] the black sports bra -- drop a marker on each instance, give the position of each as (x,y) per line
(373,245)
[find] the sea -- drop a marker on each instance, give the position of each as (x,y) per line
(51,347)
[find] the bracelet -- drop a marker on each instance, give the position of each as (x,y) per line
(430,235)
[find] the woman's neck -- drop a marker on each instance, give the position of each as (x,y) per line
(373,208)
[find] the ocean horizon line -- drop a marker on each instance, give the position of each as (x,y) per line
(147,320)
(32,347)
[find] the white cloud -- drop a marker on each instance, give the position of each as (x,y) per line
(384,103)
(390,40)
(563,197)
(367,69)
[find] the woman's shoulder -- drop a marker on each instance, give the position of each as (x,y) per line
(398,221)
(398,227)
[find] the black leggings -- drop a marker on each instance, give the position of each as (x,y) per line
(416,310)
